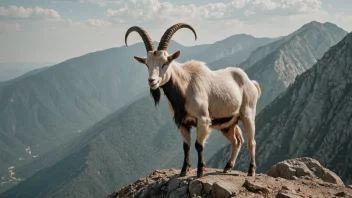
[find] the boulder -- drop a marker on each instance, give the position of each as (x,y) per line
(306,168)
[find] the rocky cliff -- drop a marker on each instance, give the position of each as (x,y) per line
(302,177)
(297,53)
(311,118)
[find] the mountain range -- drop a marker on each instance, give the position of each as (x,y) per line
(312,118)
(11,70)
(43,109)
(97,124)
(276,65)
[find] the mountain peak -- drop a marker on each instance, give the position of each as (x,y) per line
(310,25)
(291,178)
(315,24)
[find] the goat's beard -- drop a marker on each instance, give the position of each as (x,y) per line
(156,94)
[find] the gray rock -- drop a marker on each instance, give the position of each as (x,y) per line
(255,187)
(174,183)
(208,186)
(180,192)
(223,189)
(303,168)
(195,188)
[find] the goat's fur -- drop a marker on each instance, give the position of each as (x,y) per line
(205,99)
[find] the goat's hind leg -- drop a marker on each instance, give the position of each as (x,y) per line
(186,136)
(234,135)
(248,121)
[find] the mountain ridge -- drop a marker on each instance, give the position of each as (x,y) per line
(295,55)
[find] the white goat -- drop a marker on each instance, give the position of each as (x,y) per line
(202,98)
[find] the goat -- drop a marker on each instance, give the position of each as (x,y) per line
(202,98)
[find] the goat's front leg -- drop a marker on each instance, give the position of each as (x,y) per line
(202,134)
(186,136)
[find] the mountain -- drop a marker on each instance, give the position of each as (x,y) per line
(294,55)
(11,70)
(333,32)
(235,48)
(312,118)
(44,109)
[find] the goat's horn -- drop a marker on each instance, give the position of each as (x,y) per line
(145,36)
(164,41)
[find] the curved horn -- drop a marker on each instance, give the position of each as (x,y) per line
(164,41)
(145,36)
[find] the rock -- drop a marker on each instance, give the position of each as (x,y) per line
(222,189)
(215,184)
(303,168)
(341,194)
(254,187)
(195,188)
(282,194)
(180,192)
(173,184)
(207,186)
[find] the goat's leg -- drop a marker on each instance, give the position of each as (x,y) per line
(186,136)
(202,135)
(248,120)
(234,135)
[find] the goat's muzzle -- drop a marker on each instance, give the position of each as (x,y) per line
(153,83)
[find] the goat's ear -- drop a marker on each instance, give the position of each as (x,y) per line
(141,60)
(173,56)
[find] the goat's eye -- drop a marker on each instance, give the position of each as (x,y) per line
(163,66)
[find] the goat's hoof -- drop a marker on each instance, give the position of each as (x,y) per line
(251,170)
(228,168)
(183,173)
(200,172)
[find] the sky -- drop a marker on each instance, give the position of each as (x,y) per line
(57,30)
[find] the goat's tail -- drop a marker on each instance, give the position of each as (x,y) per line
(258,87)
(238,134)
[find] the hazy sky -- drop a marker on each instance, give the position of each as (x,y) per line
(55,30)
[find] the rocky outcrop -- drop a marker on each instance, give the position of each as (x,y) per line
(312,118)
(167,183)
(303,168)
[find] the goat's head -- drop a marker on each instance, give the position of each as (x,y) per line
(158,61)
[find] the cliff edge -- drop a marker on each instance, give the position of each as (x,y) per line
(300,177)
